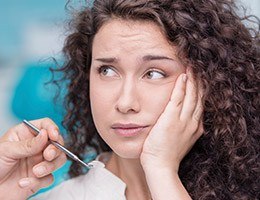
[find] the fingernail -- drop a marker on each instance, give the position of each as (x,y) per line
(55,133)
(52,153)
(24,182)
(40,170)
(184,78)
(39,136)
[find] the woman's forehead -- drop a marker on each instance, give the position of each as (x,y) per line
(119,36)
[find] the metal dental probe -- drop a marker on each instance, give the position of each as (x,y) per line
(59,146)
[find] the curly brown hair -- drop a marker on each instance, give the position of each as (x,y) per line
(224,55)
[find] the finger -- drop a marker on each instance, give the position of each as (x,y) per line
(32,161)
(200,130)
(191,97)
(25,148)
(197,114)
(33,184)
(177,97)
(52,152)
(198,133)
(25,132)
(44,168)
(50,126)
(60,140)
(49,153)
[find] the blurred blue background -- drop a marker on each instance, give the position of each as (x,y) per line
(31,32)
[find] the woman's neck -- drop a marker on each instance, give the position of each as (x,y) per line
(131,173)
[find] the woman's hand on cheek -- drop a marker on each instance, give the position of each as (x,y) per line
(177,129)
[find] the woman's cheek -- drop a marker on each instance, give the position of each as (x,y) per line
(101,98)
(156,98)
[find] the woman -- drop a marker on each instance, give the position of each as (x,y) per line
(167,94)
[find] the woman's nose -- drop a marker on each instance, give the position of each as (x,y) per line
(128,98)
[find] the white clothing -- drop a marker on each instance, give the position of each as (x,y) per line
(98,184)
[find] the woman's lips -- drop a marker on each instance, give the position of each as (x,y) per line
(128,130)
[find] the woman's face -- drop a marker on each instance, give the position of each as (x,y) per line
(133,72)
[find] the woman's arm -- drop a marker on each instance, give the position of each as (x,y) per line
(171,138)
(165,184)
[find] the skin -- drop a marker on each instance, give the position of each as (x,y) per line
(126,89)
(21,155)
(125,92)
(169,105)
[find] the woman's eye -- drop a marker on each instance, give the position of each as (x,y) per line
(153,74)
(107,71)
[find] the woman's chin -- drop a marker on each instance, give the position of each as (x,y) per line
(128,151)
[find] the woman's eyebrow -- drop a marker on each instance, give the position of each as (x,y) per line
(108,60)
(156,57)
(144,58)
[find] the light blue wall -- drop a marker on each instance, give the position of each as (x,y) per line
(16,15)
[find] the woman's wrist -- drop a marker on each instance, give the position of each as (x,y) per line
(150,165)
(165,183)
